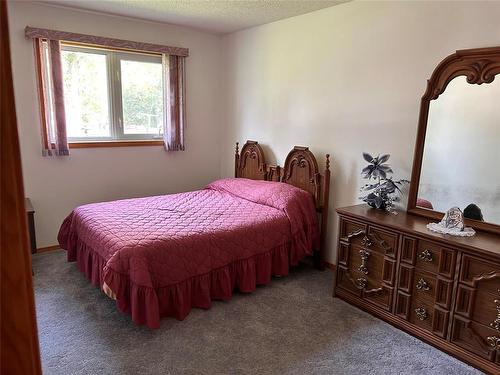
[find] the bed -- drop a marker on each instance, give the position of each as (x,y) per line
(163,255)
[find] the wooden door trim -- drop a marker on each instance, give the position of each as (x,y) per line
(19,337)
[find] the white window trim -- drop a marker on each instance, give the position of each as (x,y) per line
(115,107)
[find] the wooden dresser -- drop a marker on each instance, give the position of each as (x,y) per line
(442,289)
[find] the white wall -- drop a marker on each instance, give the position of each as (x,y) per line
(344,80)
(341,80)
(57,185)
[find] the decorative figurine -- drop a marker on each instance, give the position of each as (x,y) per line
(452,223)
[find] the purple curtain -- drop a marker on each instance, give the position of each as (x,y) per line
(51,94)
(174,108)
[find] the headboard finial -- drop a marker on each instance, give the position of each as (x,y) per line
(327,162)
(236,151)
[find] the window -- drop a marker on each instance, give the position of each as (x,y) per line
(110,95)
(96,91)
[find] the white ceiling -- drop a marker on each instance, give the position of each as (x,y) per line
(215,16)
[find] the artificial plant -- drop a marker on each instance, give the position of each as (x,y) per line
(381,191)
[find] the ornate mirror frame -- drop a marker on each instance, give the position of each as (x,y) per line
(480,66)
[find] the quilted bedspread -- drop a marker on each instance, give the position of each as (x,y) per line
(163,255)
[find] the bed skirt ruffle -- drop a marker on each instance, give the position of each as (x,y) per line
(147,305)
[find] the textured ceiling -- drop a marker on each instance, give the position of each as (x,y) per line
(215,16)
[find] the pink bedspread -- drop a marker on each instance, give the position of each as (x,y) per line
(163,255)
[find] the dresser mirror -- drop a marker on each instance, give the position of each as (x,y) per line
(457,153)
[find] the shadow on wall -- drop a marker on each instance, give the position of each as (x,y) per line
(343,192)
(270,155)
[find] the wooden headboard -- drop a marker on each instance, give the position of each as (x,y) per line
(251,163)
(300,170)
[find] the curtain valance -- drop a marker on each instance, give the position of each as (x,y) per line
(33,32)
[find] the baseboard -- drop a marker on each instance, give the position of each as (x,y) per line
(48,248)
(330,266)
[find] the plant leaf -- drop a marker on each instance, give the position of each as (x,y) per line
(385,168)
(384,158)
(367,157)
(369,187)
(367,171)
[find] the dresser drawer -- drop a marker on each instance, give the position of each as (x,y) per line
(480,273)
(475,337)
(352,231)
(424,286)
(366,287)
(372,264)
(478,305)
(369,237)
(434,258)
(382,241)
(428,316)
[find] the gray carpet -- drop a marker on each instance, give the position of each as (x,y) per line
(291,326)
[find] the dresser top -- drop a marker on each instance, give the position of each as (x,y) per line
(481,242)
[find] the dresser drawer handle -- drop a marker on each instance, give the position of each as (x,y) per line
(422,285)
(496,323)
(421,313)
(362,282)
(364,261)
(493,342)
(366,241)
(425,256)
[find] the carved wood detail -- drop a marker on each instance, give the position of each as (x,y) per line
(274,173)
(361,284)
(409,250)
(485,276)
(301,170)
(250,163)
(350,235)
(479,66)
(383,244)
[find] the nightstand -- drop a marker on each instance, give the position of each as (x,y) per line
(30,212)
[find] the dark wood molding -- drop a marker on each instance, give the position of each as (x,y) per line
(47,249)
(19,338)
(480,66)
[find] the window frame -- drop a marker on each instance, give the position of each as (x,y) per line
(117,136)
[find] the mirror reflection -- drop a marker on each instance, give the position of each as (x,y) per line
(461,159)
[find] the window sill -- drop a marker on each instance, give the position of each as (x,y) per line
(115,144)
